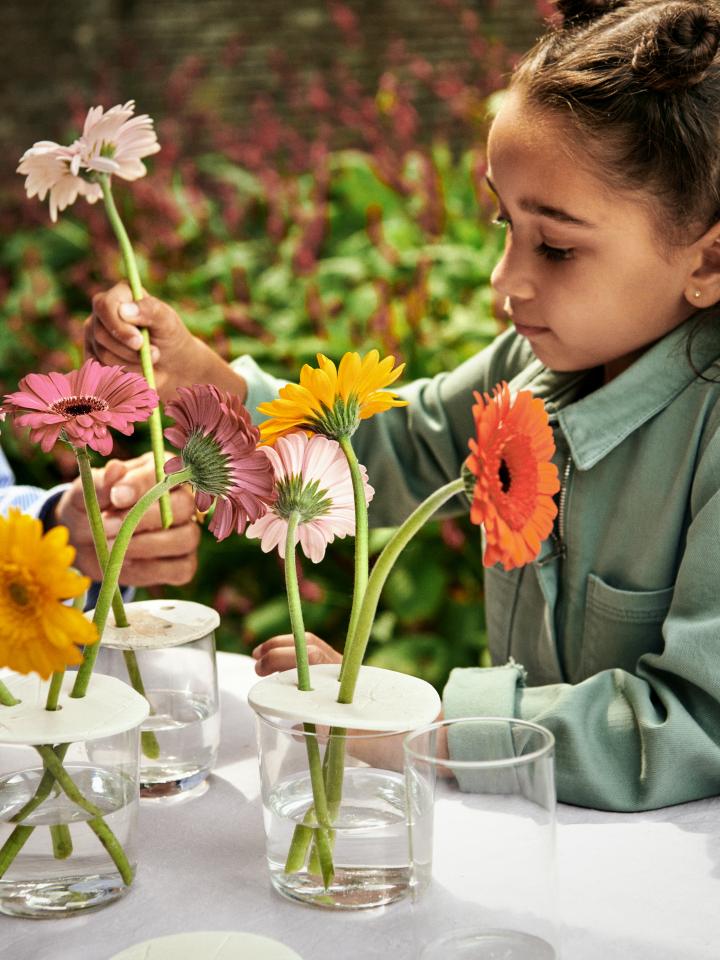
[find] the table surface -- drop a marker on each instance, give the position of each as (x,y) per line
(632,886)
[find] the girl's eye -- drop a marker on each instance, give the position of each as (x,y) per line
(555,254)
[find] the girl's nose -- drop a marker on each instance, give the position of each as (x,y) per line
(510,278)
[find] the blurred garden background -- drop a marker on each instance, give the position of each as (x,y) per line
(319,188)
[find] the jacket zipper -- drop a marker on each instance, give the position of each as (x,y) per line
(562,500)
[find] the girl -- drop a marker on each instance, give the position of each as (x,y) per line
(605,161)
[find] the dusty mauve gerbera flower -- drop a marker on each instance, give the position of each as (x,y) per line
(82,406)
(312,476)
(37,631)
(332,401)
(218,441)
(515,480)
(48,168)
(115,142)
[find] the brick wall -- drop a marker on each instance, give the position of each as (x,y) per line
(105,49)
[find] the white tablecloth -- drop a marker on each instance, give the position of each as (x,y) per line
(632,886)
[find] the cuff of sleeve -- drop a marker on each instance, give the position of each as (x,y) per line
(261,387)
(483,691)
(44,508)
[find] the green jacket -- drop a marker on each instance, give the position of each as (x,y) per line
(611,638)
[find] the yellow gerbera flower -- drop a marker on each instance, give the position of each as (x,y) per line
(37,631)
(332,401)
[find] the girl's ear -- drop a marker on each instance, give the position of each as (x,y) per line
(703,287)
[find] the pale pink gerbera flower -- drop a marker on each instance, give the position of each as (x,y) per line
(51,168)
(115,142)
(81,406)
(312,477)
(112,142)
(219,443)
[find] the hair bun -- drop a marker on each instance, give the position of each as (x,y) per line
(579,12)
(678,50)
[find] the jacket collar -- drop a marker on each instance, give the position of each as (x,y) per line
(600,420)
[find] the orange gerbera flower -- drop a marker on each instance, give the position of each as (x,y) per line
(332,401)
(515,480)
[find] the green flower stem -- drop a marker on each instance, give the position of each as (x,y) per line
(293,862)
(54,691)
(12,847)
(361,546)
(113,846)
(379,575)
(112,571)
(60,832)
(334,774)
(96,823)
(6,698)
(148,740)
(61,841)
(43,788)
(294,604)
(54,766)
(133,275)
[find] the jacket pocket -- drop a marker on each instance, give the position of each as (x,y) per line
(621,625)
(500,592)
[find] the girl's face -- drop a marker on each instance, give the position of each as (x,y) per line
(587,281)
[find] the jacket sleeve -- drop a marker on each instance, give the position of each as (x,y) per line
(30,500)
(635,741)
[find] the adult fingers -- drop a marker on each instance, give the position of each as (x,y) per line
(115,310)
(163,544)
(182,504)
(106,347)
(169,571)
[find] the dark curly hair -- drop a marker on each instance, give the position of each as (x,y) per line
(639,81)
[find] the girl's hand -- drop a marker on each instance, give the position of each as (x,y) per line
(112,336)
(155,556)
(278,653)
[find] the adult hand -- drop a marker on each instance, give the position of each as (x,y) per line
(112,336)
(278,653)
(155,556)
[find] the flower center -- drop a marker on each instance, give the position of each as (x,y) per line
(19,593)
(504,476)
(204,455)
(308,499)
(78,406)
(340,421)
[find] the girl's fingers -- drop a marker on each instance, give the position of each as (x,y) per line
(278,653)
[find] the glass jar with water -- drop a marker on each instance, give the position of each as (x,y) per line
(167,653)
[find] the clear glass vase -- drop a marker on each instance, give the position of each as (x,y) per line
(62,863)
(168,654)
(344,846)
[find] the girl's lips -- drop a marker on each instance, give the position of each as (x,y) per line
(529,330)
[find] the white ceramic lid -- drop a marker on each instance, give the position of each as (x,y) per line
(160,623)
(109,707)
(384,699)
(210,945)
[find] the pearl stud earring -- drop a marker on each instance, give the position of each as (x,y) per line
(697,294)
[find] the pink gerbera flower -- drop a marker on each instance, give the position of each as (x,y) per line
(218,441)
(115,142)
(112,142)
(51,168)
(81,406)
(312,477)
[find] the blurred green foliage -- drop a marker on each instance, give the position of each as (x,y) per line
(348,250)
